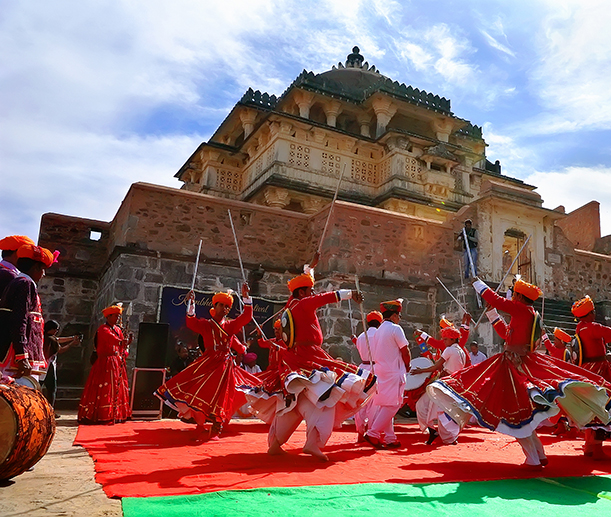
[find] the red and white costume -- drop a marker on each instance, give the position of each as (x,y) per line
(319,389)
(213,387)
(514,391)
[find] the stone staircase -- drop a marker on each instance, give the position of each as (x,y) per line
(557,313)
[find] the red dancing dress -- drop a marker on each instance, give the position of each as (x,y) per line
(211,389)
(105,398)
(514,391)
(592,350)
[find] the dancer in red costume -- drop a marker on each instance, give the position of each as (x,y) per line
(211,388)
(514,391)
(591,353)
(319,389)
(267,399)
(105,399)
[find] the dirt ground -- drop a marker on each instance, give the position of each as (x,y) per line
(61,484)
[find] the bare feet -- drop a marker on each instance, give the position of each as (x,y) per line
(317,453)
(275,449)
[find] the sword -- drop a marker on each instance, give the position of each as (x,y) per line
(453,298)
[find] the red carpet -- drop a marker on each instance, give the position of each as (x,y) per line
(140,459)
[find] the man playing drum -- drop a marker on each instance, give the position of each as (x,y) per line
(453,358)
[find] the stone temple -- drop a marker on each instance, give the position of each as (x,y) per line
(412,172)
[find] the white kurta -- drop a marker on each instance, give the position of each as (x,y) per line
(390,369)
(361,345)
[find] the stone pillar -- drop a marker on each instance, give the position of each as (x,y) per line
(385,110)
(311,205)
(332,110)
(442,128)
(277,197)
(364,121)
(248,117)
(304,101)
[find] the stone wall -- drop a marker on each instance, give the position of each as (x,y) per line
(582,226)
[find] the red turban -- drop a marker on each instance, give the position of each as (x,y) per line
(36,253)
(374,316)
(582,307)
(562,335)
(224,298)
(450,333)
(392,305)
(277,324)
(444,323)
(303,280)
(532,292)
(14,242)
(113,309)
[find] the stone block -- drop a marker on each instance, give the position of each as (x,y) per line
(125,290)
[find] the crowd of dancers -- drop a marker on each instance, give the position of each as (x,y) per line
(514,392)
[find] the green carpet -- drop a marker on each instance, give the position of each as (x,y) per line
(538,497)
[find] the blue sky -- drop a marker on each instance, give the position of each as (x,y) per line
(98,95)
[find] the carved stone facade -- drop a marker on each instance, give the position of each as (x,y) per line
(411,173)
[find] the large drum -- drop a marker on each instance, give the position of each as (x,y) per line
(27,427)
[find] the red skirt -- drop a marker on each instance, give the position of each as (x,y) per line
(106,395)
(515,399)
(212,388)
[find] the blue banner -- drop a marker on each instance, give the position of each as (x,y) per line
(174,309)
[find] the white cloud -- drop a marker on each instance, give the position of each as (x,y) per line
(573,72)
(573,187)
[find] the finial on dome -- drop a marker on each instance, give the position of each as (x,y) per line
(355,60)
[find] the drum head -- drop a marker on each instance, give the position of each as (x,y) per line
(29,382)
(413,382)
(288,328)
(8,429)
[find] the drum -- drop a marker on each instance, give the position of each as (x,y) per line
(27,427)
(414,381)
(29,382)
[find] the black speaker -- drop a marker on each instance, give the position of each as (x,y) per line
(152,348)
(145,382)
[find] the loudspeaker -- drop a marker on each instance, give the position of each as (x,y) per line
(152,345)
(143,403)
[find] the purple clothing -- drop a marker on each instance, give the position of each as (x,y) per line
(8,272)
(21,321)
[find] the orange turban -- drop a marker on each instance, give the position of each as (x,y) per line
(36,253)
(224,298)
(582,307)
(113,309)
(277,324)
(444,323)
(392,305)
(451,333)
(14,242)
(532,292)
(303,280)
(374,316)
(562,335)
